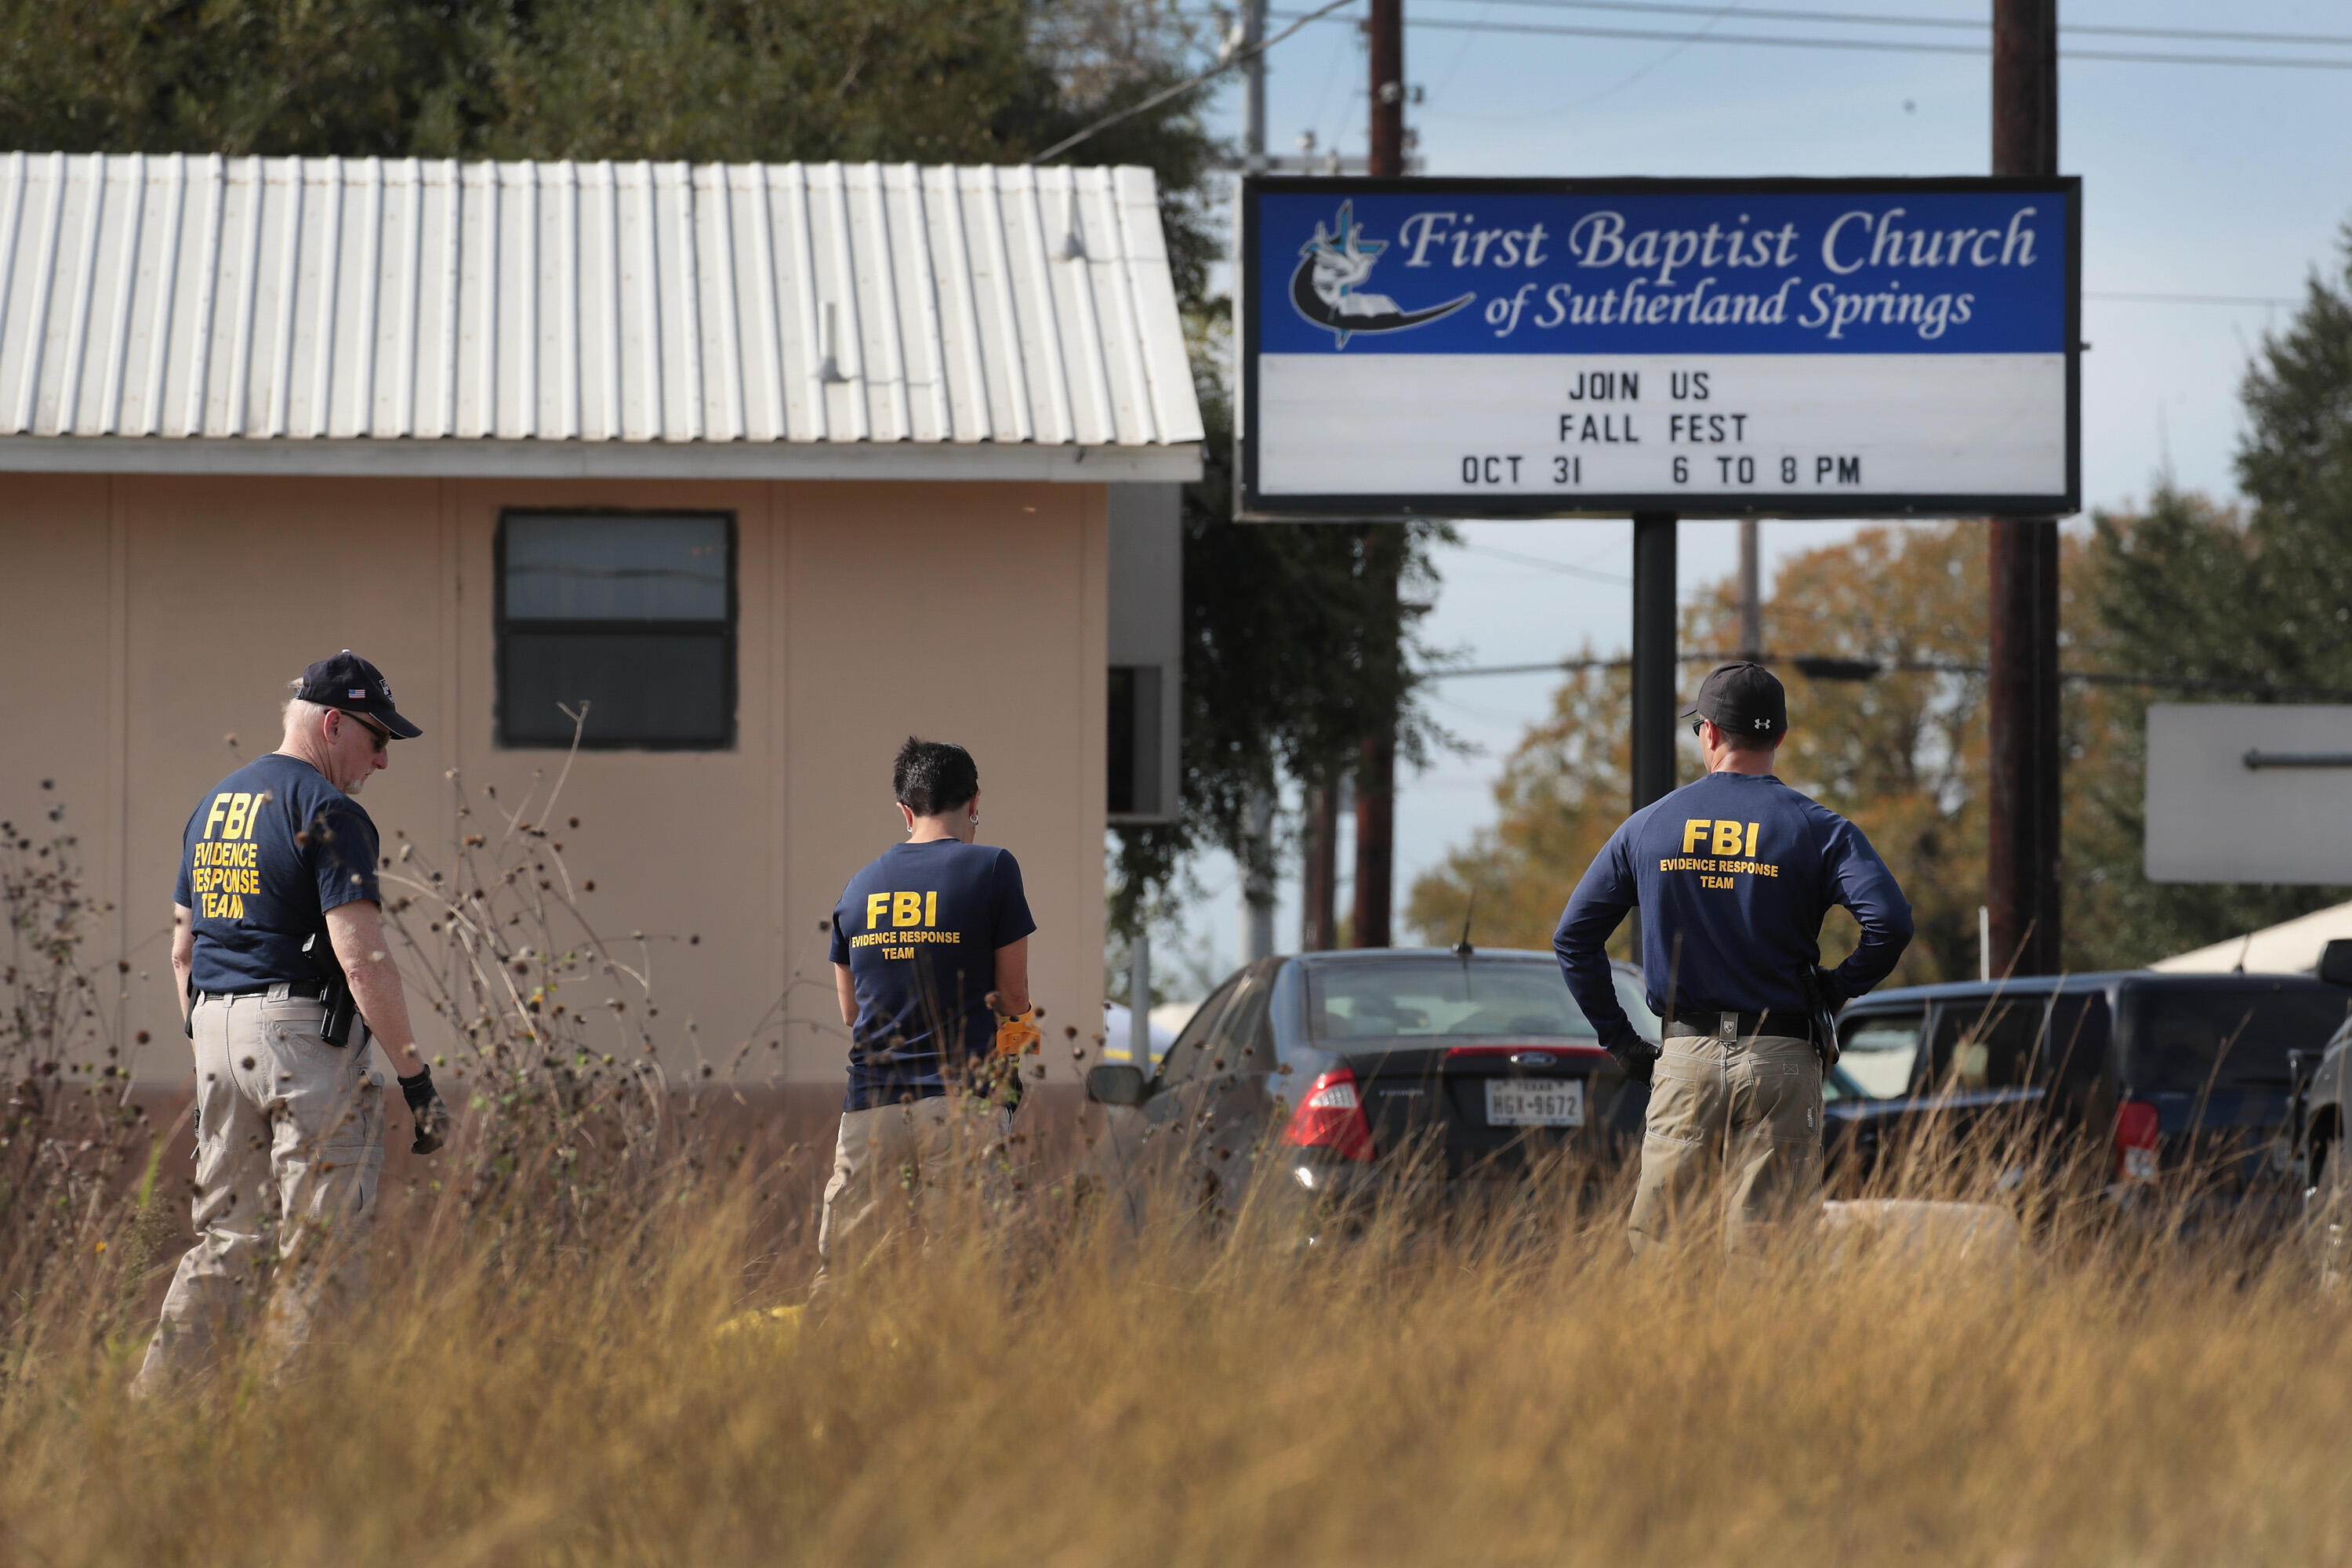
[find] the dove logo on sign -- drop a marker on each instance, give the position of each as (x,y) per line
(1332,268)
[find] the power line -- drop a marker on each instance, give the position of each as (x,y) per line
(2191,298)
(1961,24)
(1555,666)
(1819,667)
(1226,61)
(1822,667)
(1614,579)
(1866,46)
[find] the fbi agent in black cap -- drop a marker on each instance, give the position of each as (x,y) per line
(285,975)
(1733,874)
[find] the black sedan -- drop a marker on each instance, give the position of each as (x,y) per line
(1330,1074)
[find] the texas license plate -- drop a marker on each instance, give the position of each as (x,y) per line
(1535,1103)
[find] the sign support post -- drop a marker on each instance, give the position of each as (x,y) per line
(1654,656)
(1653,659)
(2024,817)
(1375,898)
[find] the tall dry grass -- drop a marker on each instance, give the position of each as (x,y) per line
(1054,1388)
(555,1366)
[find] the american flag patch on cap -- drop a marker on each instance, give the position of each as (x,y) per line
(358,691)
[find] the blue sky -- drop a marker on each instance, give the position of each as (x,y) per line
(2207,179)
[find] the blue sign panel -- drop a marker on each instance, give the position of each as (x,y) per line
(1473,348)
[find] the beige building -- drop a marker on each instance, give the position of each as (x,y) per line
(770,466)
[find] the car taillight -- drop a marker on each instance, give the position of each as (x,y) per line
(1331,1117)
(2136,1142)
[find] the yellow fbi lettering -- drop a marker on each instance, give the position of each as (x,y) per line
(914,914)
(902,908)
(221,875)
(234,815)
(226,867)
(1719,851)
(1713,836)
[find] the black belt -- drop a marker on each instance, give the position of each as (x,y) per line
(1747,1025)
(309,990)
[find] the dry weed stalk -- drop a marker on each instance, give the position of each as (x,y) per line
(565,1088)
(560,1062)
(69,1133)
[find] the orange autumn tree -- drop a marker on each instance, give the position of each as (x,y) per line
(1903,754)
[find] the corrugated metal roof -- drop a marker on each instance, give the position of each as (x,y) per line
(225,304)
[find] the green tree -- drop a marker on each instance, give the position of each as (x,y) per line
(352,77)
(2203,591)
(2263,595)
(926,80)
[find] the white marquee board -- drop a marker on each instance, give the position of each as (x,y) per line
(1527,348)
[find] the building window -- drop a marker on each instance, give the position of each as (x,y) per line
(627,618)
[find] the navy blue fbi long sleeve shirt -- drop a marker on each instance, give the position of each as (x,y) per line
(1734,874)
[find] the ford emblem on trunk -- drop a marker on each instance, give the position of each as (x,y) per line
(1532,1059)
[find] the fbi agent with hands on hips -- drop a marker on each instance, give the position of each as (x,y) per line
(931,962)
(284,976)
(1733,875)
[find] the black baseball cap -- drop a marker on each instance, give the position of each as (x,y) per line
(1743,698)
(351,683)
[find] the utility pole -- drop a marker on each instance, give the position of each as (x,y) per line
(2023,881)
(1318,914)
(1751,593)
(1258,847)
(1386,30)
(1653,662)
(1253,20)
(1384,544)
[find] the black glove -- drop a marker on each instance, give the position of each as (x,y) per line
(1638,1057)
(426,1105)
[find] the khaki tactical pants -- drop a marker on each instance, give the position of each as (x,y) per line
(290,1142)
(1733,1122)
(902,1169)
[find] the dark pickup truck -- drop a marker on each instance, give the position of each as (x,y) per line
(2322,1087)
(2177,1088)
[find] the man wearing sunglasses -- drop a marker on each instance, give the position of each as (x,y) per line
(276,912)
(1733,874)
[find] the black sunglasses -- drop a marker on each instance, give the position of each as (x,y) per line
(1698,728)
(383,736)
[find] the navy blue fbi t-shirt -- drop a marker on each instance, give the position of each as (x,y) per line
(1733,874)
(268,851)
(920,929)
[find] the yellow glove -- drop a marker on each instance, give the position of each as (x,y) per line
(1014,1036)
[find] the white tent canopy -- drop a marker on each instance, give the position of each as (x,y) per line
(2291,947)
